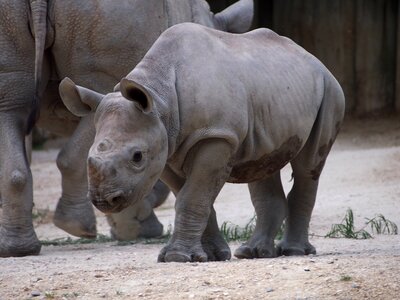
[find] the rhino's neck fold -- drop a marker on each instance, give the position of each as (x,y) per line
(168,112)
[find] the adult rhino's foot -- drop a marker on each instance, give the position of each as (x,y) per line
(295,248)
(151,227)
(216,248)
(178,253)
(256,247)
(133,222)
(17,243)
(76,218)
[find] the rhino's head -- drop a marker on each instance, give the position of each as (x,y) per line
(130,148)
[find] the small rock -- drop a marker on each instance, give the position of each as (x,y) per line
(225,294)
(307,269)
(98,276)
(355,286)
(191,296)
(269,290)
(330,262)
(35,294)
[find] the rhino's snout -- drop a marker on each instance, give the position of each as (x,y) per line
(111,203)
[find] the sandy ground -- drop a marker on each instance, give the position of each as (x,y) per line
(362,173)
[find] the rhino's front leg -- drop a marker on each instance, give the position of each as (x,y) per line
(207,169)
(74,212)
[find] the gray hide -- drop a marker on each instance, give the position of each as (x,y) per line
(94,42)
(206,107)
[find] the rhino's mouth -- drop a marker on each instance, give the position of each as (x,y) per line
(110,203)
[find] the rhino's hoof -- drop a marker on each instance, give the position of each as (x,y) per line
(77,219)
(216,248)
(179,254)
(295,249)
(17,244)
(248,252)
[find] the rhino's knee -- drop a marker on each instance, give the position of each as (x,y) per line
(18,179)
(64,163)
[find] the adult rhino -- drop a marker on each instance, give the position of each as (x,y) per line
(95,42)
(206,107)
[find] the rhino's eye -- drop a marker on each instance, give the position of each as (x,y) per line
(137,157)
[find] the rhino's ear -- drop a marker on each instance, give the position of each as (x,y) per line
(79,100)
(237,18)
(136,93)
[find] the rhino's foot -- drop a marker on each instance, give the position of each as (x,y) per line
(15,243)
(178,253)
(256,248)
(76,218)
(295,248)
(216,248)
(150,227)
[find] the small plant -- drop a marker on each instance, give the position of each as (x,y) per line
(345,278)
(346,229)
(49,295)
(101,238)
(232,232)
(380,225)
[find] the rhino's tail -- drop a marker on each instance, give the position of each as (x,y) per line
(39,16)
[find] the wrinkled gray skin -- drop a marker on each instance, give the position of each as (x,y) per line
(206,107)
(94,42)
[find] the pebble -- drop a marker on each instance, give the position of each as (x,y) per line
(269,290)
(35,294)
(355,286)
(307,269)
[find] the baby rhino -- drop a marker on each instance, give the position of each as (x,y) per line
(206,107)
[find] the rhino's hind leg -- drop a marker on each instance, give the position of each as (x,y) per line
(307,167)
(213,242)
(269,202)
(301,201)
(74,213)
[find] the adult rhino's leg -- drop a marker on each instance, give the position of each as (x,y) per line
(270,204)
(17,91)
(74,212)
(17,237)
(307,167)
(139,220)
(207,172)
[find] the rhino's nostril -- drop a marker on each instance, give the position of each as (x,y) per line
(115,199)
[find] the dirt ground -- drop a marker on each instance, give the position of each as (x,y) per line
(362,173)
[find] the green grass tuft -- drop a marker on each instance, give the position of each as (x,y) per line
(346,229)
(233,232)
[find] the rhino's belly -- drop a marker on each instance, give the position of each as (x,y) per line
(266,165)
